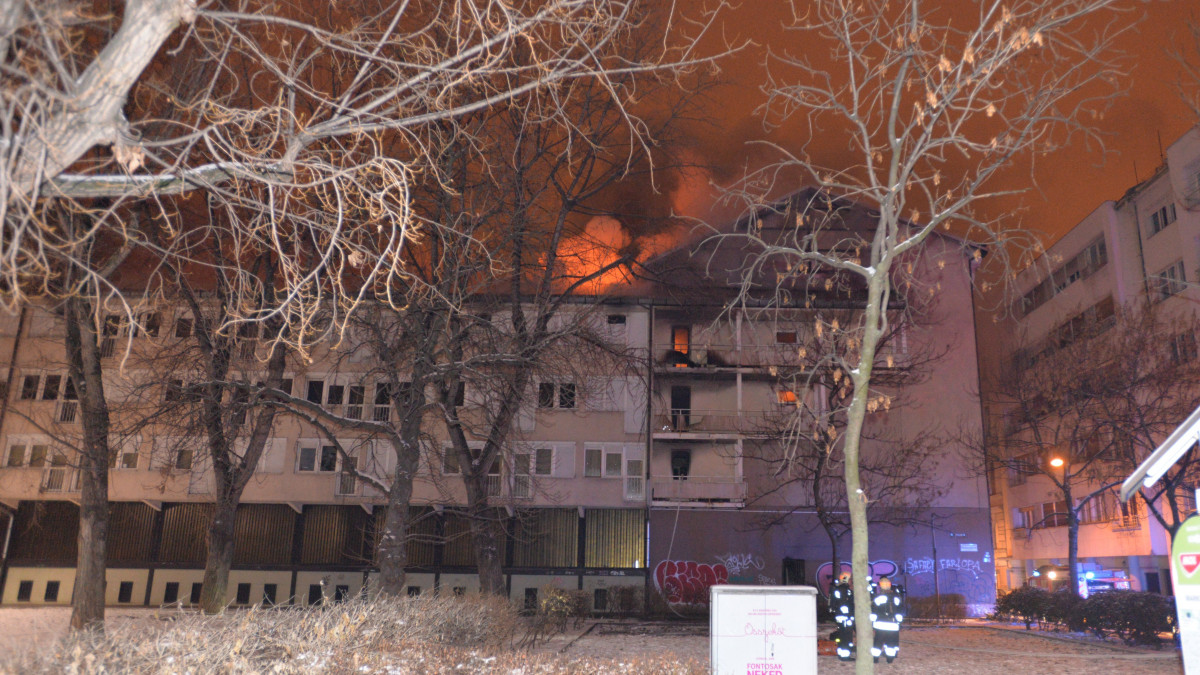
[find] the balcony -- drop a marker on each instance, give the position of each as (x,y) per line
(682,423)
(671,357)
(710,490)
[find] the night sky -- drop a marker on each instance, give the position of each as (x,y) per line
(1070,184)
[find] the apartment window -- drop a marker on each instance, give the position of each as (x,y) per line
(315,595)
(1086,263)
(243,594)
(183,328)
(1182,348)
(347,482)
(171,593)
(1169,281)
(543,463)
(785,337)
(1160,219)
(114,325)
(316,392)
(355,395)
(559,395)
(24,591)
(383,403)
(786,396)
(124,459)
(125,592)
(16,455)
(270,592)
(612,464)
(450,462)
(50,389)
(615,326)
(593,459)
(183,458)
(317,458)
(341,593)
(150,325)
(51,594)
(194,595)
(29,387)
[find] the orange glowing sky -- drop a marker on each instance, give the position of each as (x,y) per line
(1069,185)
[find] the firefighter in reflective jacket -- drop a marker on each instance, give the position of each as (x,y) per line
(886,614)
(841,601)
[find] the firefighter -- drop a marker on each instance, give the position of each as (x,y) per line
(886,615)
(841,601)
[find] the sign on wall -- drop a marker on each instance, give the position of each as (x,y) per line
(1185,574)
(763,630)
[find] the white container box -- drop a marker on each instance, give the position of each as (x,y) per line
(763,630)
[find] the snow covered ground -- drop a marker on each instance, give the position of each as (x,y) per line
(973,650)
(970,650)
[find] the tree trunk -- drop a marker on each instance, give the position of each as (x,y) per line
(856,498)
(83,357)
(87,603)
(220,557)
(1072,542)
(485,536)
(392,551)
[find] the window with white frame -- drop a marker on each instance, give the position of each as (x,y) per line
(537,462)
(1170,281)
(615,327)
(1161,218)
(314,457)
(124,456)
(27,452)
(559,395)
(603,461)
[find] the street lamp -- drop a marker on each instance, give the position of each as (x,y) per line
(1057,462)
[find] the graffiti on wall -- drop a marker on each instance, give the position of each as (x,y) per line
(877,569)
(925,566)
(686,582)
(737,563)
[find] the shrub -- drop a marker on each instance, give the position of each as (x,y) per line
(332,638)
(1136,618)
(1027,604)
(1064,608)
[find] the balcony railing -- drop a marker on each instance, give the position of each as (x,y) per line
(635,488)
(720,421)
(715,356)
(699,489)
(59,479)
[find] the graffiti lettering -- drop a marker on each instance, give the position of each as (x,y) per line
(925,566)
(737,563)
(686,582)
(878,569)
(764,580)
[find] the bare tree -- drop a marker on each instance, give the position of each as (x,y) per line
(1087,404)
(931,105)
(308,117)
(799,451)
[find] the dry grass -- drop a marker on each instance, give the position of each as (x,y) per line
(426,635)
